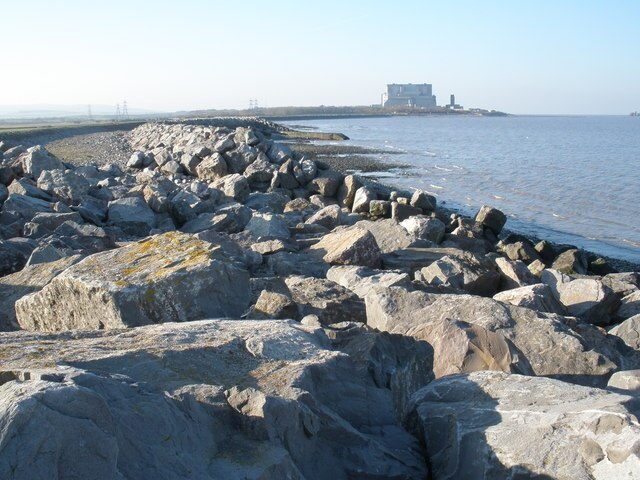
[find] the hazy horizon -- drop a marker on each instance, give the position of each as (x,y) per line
(571,58)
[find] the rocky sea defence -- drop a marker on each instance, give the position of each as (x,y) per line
(222,306)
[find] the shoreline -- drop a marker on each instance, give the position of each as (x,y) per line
(73,143)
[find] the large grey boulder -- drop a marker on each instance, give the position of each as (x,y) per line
(514,274)
(349,246)
(469,272)
(362,199)
(546,344)
(28,280)
(24,207)
(586,298)
(491,218)
(490,425)
(65,185)
(347,191)
(234,186)
(210,399)
(37,159)
(628,331)
(629,306)
(331,302)
(389,234)
(268,225)
(212,168)
(536,297)
(172,277)
(132,215)
(362,280)
(622,284)
(425,228)
(572,261)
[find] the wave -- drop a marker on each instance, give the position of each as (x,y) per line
(442,168)
(436,186)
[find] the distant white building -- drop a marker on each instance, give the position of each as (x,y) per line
(419,95)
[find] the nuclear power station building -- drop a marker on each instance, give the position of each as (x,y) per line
(419,95)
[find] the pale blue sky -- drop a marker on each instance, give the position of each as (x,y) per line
(555,57)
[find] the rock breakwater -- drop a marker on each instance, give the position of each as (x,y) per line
(224,307)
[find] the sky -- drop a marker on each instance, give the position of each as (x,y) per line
(522,57)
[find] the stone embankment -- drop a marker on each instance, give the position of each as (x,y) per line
(223,307)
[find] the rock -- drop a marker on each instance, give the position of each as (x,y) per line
(29,280)
(190,163)
(26,186)
(622,284)
(362,280)
(461,347)
(628,380)
(166,278)
(411,259)
(400,212)
(536,297)
(470,273)
(536,268)
(347,191)
(380,208)
(272,201)
(37,159)
(628,331)
(389,235)
(274,305)
(362,199)
(328,217)
(279,153)
(331,302)
(547,344)
(136,160)
(268,247)
(492,218)
(240,158)
(350,246)
(295,263)
(210,399)
(586,298)
(268,225)
(430,229)
(11,258)
(490,425)
(212,168)
(423,201)
(514,274)
(546,251)
(158,193)
(522,251)
(224,145)
(260,171)
(600,266)
(65,185)
(571,262)
(298,205)
(171,168)
(24,207)
(132,215)
(629,306)
(93,210)
(234,186)
(185,206)
(44,223)
(326,184)
(4,194)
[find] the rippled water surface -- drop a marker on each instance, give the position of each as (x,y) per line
(567,179)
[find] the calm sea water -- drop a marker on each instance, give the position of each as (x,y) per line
(567,179)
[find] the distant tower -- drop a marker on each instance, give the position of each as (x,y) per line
(125,110)
(453,100)
(117,112)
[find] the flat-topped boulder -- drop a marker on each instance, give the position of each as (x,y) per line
(490,425)
(349,246)
(223,399)
(547,344)
(173,277)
